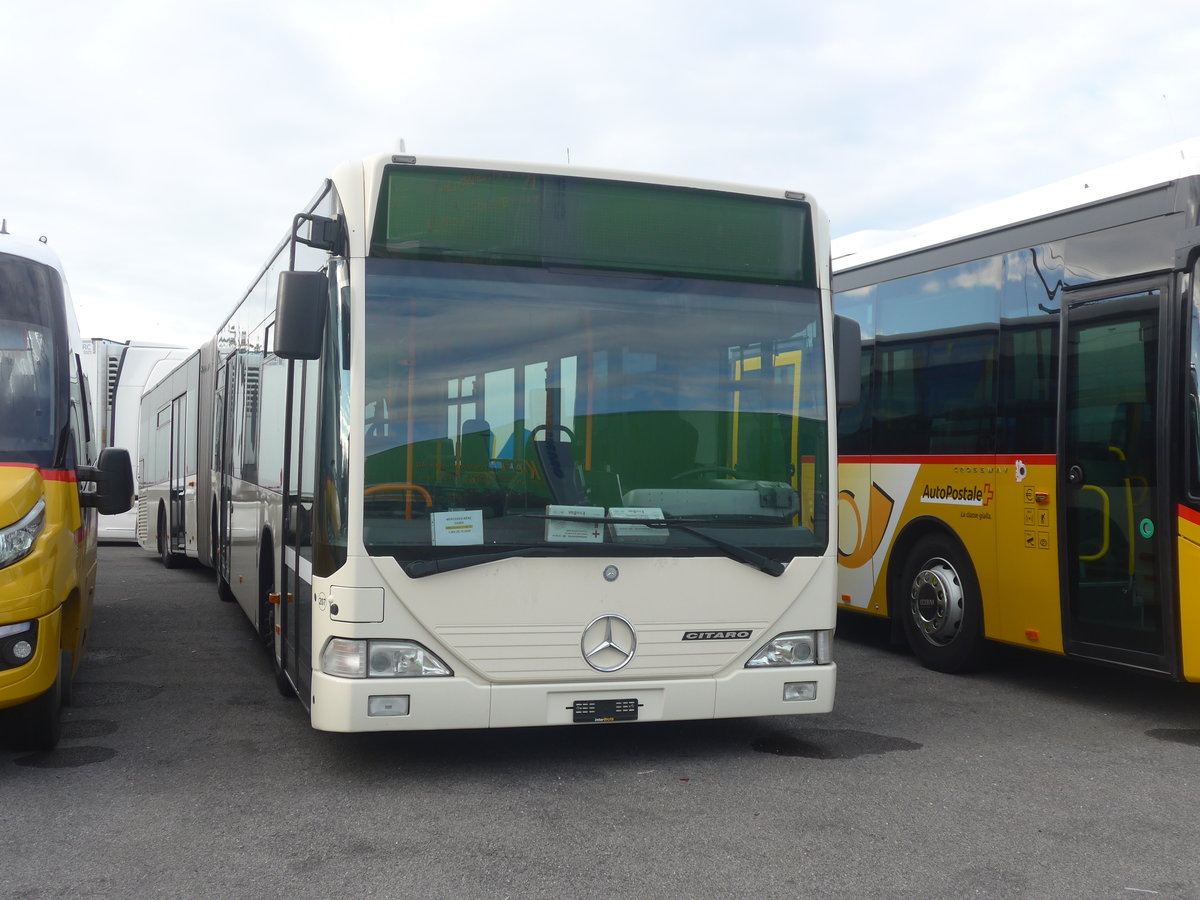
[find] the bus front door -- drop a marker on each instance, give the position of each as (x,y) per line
(293,644)
(1112,520)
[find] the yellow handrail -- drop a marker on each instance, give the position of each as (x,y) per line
(1105,503)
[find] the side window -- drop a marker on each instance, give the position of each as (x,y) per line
(960,387)
(236,404)
(937,395)
(218,421)
(272,408)
(251,386)
(897,425)
(79,449)
(1029,387)
(161,460)
(82,388)
(937,360)
(854,422)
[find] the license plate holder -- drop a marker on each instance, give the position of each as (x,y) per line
(601,711)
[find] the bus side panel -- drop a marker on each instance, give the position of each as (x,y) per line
(1189,592)
(868,521)
(961,494)
(981,502)
(1024,607)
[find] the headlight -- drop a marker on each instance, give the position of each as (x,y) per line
(799,648)
(16,541)
(402,659)
(380,659)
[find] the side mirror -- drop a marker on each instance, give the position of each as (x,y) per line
(300,314)
(847,351)
(113,476)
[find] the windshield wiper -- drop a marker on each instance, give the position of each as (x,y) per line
(419,568)
(733,551)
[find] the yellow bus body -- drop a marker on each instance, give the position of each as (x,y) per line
(52,586)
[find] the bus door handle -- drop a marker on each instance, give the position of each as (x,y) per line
(1106,536)
(1075,475)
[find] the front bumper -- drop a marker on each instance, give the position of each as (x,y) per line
(28,682)
(340,704)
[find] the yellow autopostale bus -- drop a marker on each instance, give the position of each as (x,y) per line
(51,487)
(1024,464)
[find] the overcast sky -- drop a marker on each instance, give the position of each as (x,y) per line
(163,147)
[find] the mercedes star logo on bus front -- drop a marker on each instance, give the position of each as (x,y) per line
(608,643)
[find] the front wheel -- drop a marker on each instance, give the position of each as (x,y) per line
(940,607)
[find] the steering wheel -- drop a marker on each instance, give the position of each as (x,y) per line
(546,428)
(704,470)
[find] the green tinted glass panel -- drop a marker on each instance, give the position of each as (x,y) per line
(507,218)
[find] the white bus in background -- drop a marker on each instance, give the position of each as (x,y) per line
(494,445)
(166,466)
(118,372)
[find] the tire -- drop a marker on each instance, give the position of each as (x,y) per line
(39,722)
(66,680)
(266,587)
(169,559)
(939,606)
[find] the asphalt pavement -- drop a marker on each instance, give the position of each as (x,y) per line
(183,773)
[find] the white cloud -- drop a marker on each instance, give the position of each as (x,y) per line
(164,147)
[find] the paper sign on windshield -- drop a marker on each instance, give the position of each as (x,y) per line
(641,533)
(458,527)
(564,530)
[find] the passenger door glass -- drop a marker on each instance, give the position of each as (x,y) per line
(1114,529)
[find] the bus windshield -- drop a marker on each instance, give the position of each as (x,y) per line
(503,401)
(28,360)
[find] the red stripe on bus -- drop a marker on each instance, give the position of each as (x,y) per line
(1193,516)
(47,474)
(933,459)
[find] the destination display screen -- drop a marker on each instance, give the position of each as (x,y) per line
(552,221)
